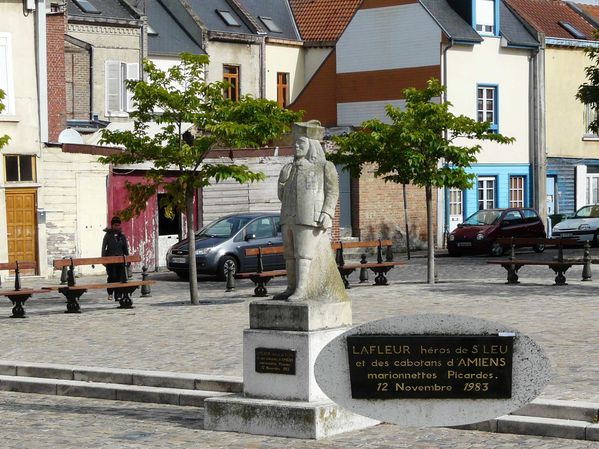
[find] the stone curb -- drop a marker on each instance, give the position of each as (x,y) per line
(100,390)
(160,379)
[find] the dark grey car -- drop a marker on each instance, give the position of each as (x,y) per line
(221,245)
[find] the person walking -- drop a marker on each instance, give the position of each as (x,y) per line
(115,244)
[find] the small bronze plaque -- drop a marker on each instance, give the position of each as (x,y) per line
(275,361)
(430,367)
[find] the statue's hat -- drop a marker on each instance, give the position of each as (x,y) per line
(311,130)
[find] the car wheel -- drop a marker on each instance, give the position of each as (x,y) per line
(227,263)
(538,248)
(496,249)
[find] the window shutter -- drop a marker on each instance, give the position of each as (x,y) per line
(132,74)
(6,74)
(113,86)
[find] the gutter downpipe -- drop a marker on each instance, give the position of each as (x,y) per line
(442,219)
(262,64)
(539,132)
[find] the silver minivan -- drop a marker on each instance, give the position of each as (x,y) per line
(221,245)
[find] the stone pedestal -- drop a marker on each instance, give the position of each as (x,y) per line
(285,400)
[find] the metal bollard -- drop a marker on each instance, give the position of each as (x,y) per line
(586,269)
(230,280)
(64,275)
(146,291)
(363,271)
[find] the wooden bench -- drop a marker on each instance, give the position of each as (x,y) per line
(381,267)
(559,266)
(261,278)
(19,295)
(73,291)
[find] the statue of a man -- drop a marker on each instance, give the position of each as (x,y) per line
(308,190)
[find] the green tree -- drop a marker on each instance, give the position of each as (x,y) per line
(3,139)
(424,144)
(175,99)
(588,92)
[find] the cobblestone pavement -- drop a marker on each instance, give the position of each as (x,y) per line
(36,422)
(165,333)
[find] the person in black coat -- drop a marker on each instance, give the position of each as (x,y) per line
(115,244)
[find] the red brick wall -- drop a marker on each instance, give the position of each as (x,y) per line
(56,24)
(378,210)
(77,73)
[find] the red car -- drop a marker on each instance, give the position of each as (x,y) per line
(480,231)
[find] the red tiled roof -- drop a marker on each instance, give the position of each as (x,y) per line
(545,15)
(591,10)
(323,20)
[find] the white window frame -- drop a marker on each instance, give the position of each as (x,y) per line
(515,189)
(127,71)
(485,24)
(486,180)
(589,114)
(9,89)
(485,88)
(592,195)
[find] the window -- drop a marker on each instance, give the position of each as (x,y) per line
(228,18)
(19,168)
(86,6)
(118,98)
(513,217)
(486,193)
(261,228)
(487,106)
(231,76)
(485,16)
(517,191)
(283,89)
(589,116)
(530,216)
(6,81)
(592,188)
(572,30)
(270,24)
(455,202)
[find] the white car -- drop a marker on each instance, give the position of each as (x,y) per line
(584,226)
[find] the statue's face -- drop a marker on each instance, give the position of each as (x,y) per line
(302,145)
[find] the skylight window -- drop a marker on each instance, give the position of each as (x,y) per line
(228,18)
(270,24)
(86,6)
(152,31)
(572,30)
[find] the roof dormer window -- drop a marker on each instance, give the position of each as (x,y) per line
(228,18)
(86,6)
(572,30)
(485,15)
(270,24)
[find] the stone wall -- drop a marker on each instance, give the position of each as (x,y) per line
(378,210)
(71,185)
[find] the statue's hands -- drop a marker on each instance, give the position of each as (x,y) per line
(325,221)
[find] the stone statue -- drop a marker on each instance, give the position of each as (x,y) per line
(308,189)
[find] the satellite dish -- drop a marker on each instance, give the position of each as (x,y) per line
(70,136)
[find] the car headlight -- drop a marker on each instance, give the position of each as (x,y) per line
(451,237)
(480,236)
(203,251)
(584,227)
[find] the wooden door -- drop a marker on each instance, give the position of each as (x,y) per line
(22,225)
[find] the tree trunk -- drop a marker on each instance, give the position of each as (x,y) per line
(191,239)
(405,213)
(430,275)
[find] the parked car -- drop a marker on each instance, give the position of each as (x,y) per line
(480,231)
(221,246)
(584,226)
